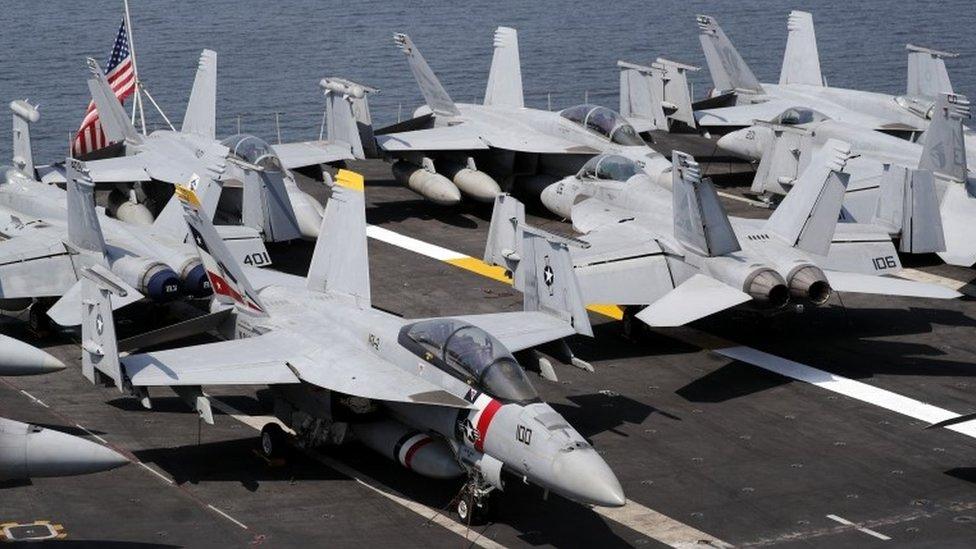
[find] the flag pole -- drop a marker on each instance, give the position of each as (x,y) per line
(135,69)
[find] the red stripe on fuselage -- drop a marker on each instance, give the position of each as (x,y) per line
(484,421)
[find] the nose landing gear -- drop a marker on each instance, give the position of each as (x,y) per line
(475,505)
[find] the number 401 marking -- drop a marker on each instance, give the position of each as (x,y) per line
(257,259)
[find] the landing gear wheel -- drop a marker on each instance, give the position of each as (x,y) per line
(472,510)
(37,319)
(631,326)
(274,441)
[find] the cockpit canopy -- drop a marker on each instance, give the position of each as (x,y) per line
(799,115)
(605,122)
(469,353)
(253,149)
(611,167)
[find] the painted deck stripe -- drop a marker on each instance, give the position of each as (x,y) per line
(659,526)
(228,517)
(794,370)
(951,283)
(867,531)
(432,515)
(155,472)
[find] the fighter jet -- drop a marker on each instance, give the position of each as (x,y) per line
(49,234)
(922,193)
(267,198)
(677,252)
(739,99)
(32,451)
(452,148)
(441,396)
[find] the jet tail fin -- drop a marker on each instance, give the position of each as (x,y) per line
(434,93)
(807,217)
(658,93)
(700,221)
(99,345)
(84,229)
(927,74)
(548,281)
(115,123)
(801,61)
(505,76)
(944,149)
(340,262)
(504,233)
(24,115)
(170,221)
(909,205)
(729,71)
(347,115)
(227,279)
(784,155)
(201,111)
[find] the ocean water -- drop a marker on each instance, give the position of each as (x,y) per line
(271,55)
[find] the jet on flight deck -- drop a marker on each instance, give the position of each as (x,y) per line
(449,149)
(259,189)
(442,396)
(671,254)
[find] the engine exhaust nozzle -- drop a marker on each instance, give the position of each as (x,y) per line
(809,282)
(767,288)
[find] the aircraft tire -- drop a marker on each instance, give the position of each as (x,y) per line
(274,441)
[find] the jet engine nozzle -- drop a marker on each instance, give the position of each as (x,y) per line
(809,282)
(196,282)
(153,278)
(767,288)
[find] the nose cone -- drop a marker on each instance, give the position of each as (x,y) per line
(20,359)
(558,198)
(586,478)
(50,453)
(748,143)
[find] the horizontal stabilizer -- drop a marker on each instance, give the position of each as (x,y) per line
(801,61)
(886,285)
(909,205)
(700,221)
(807,217)
(505,76)
(66,311)
(695,298)
(548,281)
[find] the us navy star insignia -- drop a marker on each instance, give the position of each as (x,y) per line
(99,324)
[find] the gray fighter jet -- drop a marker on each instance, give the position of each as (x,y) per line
(676,251)
(50,234)
(922,193)
(452,148)
(441,396)
(739,99)
(32,451)
(267,198)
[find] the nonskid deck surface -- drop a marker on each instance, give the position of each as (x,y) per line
(703,445)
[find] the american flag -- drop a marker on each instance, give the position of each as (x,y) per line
(121,76)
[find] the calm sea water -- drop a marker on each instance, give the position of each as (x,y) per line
(272,54)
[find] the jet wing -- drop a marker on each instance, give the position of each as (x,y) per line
(592,213)
(523,329)
(34,266)
(742,115)
(462,137)
(281,358)
(107,170)
(524,139)
(311,153)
